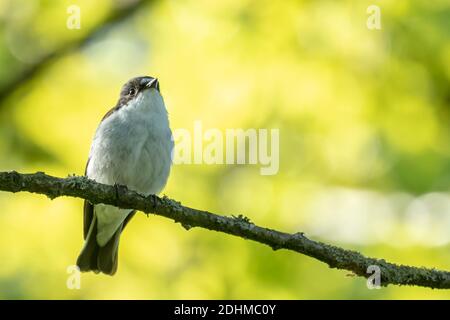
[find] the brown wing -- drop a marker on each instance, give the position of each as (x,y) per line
(88,211)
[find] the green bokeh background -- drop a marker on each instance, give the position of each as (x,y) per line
(364,141)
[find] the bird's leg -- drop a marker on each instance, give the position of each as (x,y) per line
(152,199)
(120,189)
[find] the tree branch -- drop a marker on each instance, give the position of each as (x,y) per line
(335,257)
(117,15)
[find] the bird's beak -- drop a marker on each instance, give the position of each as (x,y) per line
(153,83)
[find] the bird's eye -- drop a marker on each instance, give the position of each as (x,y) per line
(132,91)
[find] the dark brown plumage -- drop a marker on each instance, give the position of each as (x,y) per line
(130,90)
(93,257)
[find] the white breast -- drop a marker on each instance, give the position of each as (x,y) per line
(131,147)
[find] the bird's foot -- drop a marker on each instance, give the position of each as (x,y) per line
(153,200)
(120,189)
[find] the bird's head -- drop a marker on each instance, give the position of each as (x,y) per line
(136,87)
(138,93)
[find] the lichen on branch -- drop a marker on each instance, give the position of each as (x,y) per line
(241,226)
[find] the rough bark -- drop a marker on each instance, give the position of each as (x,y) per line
(335,257)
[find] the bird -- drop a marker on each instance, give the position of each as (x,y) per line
(132,147)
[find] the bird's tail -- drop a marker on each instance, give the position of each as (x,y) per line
(99,259)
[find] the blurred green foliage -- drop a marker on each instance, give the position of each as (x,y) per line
(364,141)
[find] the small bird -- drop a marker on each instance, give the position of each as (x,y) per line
(133,147)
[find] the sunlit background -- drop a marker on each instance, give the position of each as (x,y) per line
(364,140)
